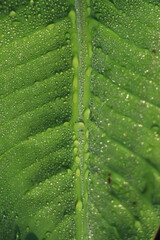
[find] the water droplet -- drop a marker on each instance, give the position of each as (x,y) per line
(79,206)
(87,114)
(31,2)
(27,229)
(78,172)
(48,234)
(155,128)
(12,14)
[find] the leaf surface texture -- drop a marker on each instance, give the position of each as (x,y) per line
(79,119)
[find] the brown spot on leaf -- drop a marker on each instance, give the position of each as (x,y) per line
(154,51)
(134,203)
(109,178)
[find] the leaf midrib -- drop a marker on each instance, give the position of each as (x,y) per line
(81,86)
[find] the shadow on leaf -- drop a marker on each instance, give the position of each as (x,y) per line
(31,236)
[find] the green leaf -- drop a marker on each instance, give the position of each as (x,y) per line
(79,119)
